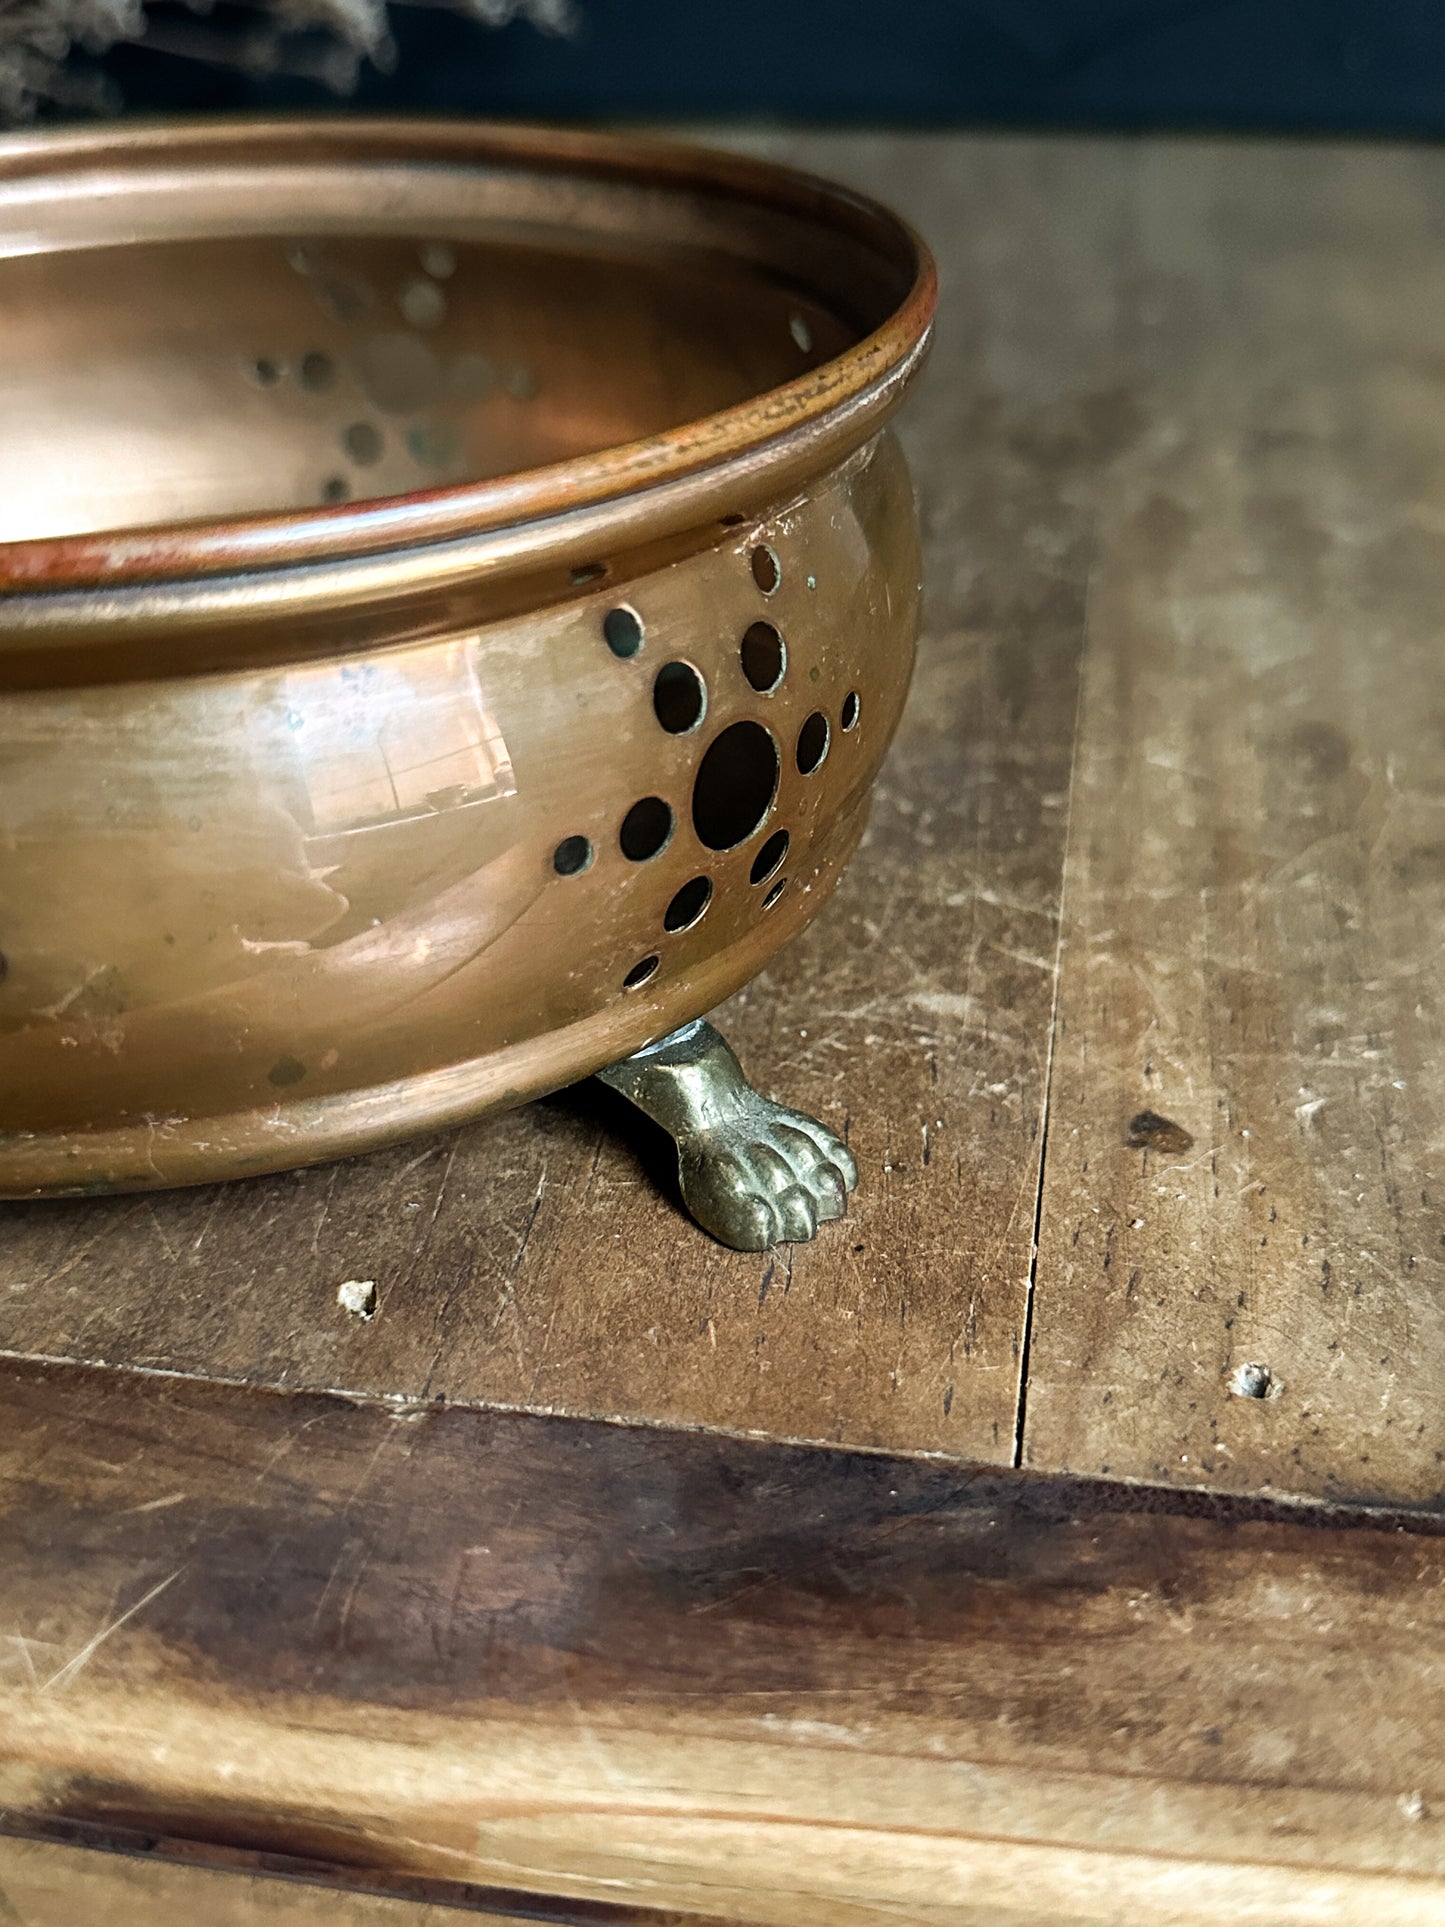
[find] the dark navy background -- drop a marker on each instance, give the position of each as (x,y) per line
(1308,65)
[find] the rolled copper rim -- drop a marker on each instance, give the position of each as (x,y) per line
(253,567)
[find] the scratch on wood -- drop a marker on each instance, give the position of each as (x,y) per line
(23,1653)
(596,1160)
(211,1211)
(325,1210)
(75,1666)
(424,1242)
(513,1268)
(274,1458)
(76,1257)
(161,1231)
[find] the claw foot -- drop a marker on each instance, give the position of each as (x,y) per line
(753,1173)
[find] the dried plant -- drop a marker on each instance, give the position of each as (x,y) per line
(42,42)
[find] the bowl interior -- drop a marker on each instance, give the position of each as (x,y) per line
(161,380)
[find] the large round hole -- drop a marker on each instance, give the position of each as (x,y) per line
(317,372)
(640,972)
(769,856)
(851,707)
(679,696)
(572,856)
(735,785)
(812,743)
(688,905)
(764,657)
(767,570)
(646,829)
(623,630)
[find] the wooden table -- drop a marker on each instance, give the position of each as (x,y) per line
(1058,1540)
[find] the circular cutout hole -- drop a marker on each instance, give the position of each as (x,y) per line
(646,829)
(688,905)
(317,372)
(764,657)
(767,570)
(623,629)
(640,972)
(812,743)
(777,890)
(770,856)
(679,696)
(265,372)
(439,260)
(362,442)
(422,303)
(851,707)
(335,488)
(735,785)
(572,856)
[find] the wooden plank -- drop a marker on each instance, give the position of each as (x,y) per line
(748,1682)
(1256,875)
(539,1260)
(1214,364)
(43,1884)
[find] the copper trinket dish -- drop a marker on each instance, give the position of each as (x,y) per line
(457,586)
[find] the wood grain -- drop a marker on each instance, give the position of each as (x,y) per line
(539,1260)
(43,1884)
(746,1682)
(1255,886)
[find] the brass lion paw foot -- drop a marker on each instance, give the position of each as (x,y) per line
(753,1173)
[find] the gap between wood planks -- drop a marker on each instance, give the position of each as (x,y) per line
(1045,1106)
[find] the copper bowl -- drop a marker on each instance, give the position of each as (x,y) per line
(458,589)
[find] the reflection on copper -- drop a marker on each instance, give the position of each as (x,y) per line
(395,738)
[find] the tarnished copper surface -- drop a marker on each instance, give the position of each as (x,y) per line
(322,820)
